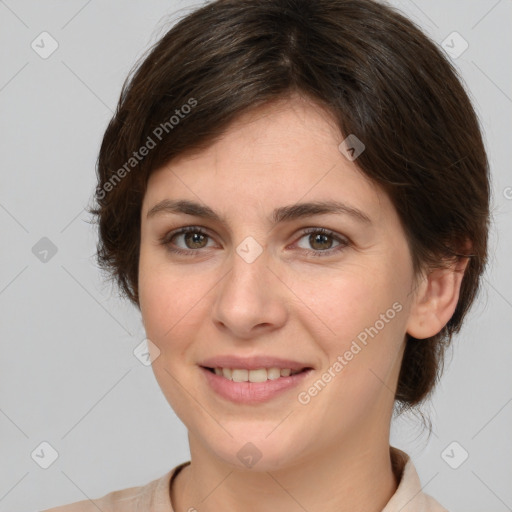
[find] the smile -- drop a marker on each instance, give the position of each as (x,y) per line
(258,375)
(244,386)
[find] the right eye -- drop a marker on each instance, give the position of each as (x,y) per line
(193,237)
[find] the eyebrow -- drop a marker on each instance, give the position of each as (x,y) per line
(281,214)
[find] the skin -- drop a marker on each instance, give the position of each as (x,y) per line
(287,303)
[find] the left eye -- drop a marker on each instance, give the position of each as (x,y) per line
(321,240)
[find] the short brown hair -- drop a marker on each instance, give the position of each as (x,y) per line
(373,69)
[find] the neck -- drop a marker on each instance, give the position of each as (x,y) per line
(347,479)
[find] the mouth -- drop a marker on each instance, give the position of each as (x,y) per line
(252,387)
(255,375)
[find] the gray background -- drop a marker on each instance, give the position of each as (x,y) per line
(68,375)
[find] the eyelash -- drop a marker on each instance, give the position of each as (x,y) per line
(344,242)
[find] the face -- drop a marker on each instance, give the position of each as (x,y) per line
(328,291)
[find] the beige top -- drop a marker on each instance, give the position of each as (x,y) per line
(155,496)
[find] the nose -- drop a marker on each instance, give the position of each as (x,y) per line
(250,299)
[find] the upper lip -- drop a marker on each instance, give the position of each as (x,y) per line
(252,363)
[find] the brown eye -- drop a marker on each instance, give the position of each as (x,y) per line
(187,241)
(195,240)
(320,242)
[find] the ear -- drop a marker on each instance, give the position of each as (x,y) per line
(435,300)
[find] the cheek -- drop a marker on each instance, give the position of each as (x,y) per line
(360,335)
(357,314)
(156,296)
(344,301)
(171,300)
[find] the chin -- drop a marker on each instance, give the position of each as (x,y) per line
(250,449)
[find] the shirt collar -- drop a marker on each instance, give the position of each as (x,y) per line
(408,497)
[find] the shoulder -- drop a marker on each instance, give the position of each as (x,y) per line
(125,500)
(152,496)
(431,505)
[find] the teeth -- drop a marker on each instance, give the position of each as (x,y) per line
(259,375)
(274,373)
(240,375)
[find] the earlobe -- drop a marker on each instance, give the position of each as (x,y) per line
(435,300)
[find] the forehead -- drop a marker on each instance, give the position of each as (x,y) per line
(280,132)
(278,154)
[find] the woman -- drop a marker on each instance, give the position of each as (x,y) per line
(286,195)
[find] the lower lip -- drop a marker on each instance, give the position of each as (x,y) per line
(252,392)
